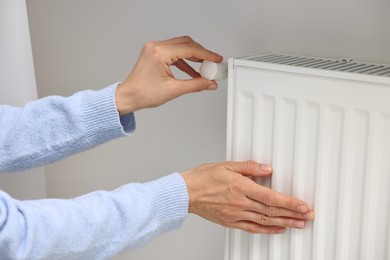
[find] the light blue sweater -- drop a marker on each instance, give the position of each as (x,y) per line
(94,226)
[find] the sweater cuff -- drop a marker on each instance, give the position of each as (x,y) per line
(102,117)
(171,200)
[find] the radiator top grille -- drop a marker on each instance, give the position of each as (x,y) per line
(345,65)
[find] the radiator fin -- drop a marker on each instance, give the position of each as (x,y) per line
(346,65)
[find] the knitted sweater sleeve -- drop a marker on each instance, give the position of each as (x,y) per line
(97,225)
(52,128)
(94,226)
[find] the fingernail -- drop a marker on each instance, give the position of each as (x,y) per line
(266,167)
(309,216)
(212,87)
(302,208)
(280,230)
(300,224)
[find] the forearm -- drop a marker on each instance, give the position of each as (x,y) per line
(52,128)
(95,226)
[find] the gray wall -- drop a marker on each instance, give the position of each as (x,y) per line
(92,43)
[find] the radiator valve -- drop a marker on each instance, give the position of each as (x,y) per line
(214,71)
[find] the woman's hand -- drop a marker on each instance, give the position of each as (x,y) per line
(151,82)
(223,193)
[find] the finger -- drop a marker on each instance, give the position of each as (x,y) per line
(255,228)
(272,221)
(250,168)
(271,211)
(193,59)
(183,66)
(183,40)
(191,51)
(276,199)
(195,85)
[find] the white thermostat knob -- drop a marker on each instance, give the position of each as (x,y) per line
(214,71)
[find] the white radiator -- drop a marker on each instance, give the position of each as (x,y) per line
(324,125)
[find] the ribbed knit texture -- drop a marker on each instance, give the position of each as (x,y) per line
(52,128)
(98,225)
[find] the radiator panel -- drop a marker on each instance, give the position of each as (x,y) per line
(327,137)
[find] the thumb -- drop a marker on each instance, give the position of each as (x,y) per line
(196,85)
(250,168)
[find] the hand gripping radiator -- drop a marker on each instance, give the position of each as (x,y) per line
(324,125)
